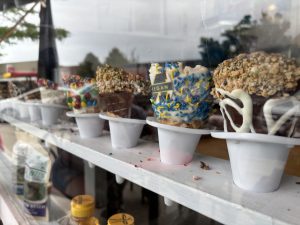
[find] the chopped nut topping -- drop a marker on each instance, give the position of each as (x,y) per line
(110,80)
(258,73)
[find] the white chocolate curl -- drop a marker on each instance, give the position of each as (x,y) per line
(246,111)
(274,126)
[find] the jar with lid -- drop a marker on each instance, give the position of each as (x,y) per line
(82,211)
(121,219)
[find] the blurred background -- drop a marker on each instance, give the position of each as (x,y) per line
(134,33)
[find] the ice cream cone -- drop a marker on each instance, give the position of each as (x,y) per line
(118,104)
(268,88)
(181,96)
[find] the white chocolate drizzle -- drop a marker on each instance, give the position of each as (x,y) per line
(246,111)
(274,126)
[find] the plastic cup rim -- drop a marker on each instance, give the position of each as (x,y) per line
(255,137)
(153,122)
(120,119)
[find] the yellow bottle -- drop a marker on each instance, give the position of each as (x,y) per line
(82,210)
(121,219)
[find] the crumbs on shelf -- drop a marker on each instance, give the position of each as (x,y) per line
(204,166)
(110,153)
(196,177)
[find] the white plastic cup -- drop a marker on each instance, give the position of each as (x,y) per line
(257,167)
(2,106)
(15,108)
(89,124)
(124,132)
(177,144)
(124,135)
(177,148)
(7,108)
(90,127)
(34,112)
(51,113)
(257,160)
(23,110)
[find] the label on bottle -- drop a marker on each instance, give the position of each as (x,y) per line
(19,189)
(36,209)
(36,168)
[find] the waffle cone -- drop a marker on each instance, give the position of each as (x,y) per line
(118,103)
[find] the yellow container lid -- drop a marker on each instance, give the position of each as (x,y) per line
(121,219)
(82,206)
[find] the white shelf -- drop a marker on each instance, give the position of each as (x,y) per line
(214,195)
(17,79)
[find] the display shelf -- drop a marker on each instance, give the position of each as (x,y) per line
(212,194)
(17,79)
(11,206)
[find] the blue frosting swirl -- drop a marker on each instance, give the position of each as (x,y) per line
(188,100)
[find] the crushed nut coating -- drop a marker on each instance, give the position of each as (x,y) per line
(258,73)
(110,80)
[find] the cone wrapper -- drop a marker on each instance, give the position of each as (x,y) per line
(118,104)
(181,97)
(84,100)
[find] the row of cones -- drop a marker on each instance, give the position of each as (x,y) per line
(118,104)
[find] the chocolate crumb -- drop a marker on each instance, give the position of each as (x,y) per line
(140,153)
(185,164)
(298,182)
(110,153)
(141,161)
(196,177)
(149,159)
(136,166)
(204,166)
